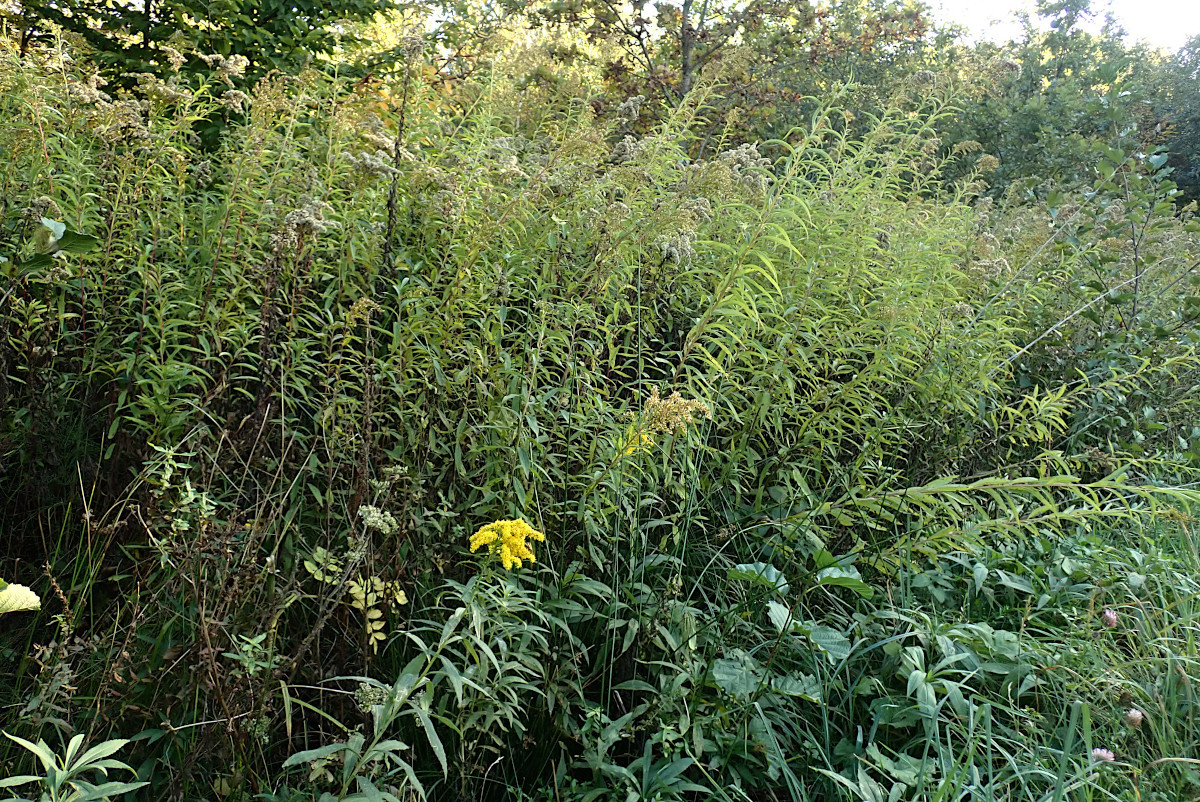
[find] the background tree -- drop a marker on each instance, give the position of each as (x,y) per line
(271,34)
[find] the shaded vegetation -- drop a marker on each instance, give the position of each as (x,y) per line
(490,411)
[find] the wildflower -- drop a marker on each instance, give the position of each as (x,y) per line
(628,111)
(302,223)
(411,46)
(617,211)
(1134,717)
(677,248)
(226,68)
(235,100)
(747,167)
(368,696)
(89,92)
(924,78)
(1101,755)
(202,172)
(1109,618)
(699,209)
(362,309)
(988,163)
(637,441)
(672,414)
(625,150)
(509,540)
(1006,68)
(43,206)
(380,520)
(174,57)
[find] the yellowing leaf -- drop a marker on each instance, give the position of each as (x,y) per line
(18,598)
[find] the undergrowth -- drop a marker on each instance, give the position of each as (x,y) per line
(847,483)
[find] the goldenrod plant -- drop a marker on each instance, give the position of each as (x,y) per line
(466,431)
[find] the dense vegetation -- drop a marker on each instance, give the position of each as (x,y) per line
(546,402)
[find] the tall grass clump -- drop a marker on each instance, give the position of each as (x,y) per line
(463,443)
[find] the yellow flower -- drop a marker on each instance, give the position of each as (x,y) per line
(636,440)
(509,540)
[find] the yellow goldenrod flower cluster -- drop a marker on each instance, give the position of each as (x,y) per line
(661,416)
(509,540)
(672,414)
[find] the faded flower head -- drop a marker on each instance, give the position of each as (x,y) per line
(368,696)
(924,78)
(625,150)
(235,100)
(699,209)
(988,163)
(227,68)
(377,519)
(1101,755)
(411,46)
(126,122)
(174,57)
(746,166)
(43,206)
(628,111)
(302,223)
(989,269)
(671,414)
(508,540)
(677,248)
(362,309)
(375,164)
(1109,618)
(1134,717)
(1006,68)
(89,92)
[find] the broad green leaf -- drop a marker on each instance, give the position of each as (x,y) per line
(739,675)
(803,686)
(97,753)
(57,229)
(313,754)
(759,573)
(836,645)
(848,578)
(74,242)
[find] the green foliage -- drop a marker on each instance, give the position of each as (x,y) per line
(818,508)
(163,37)
(64,779)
